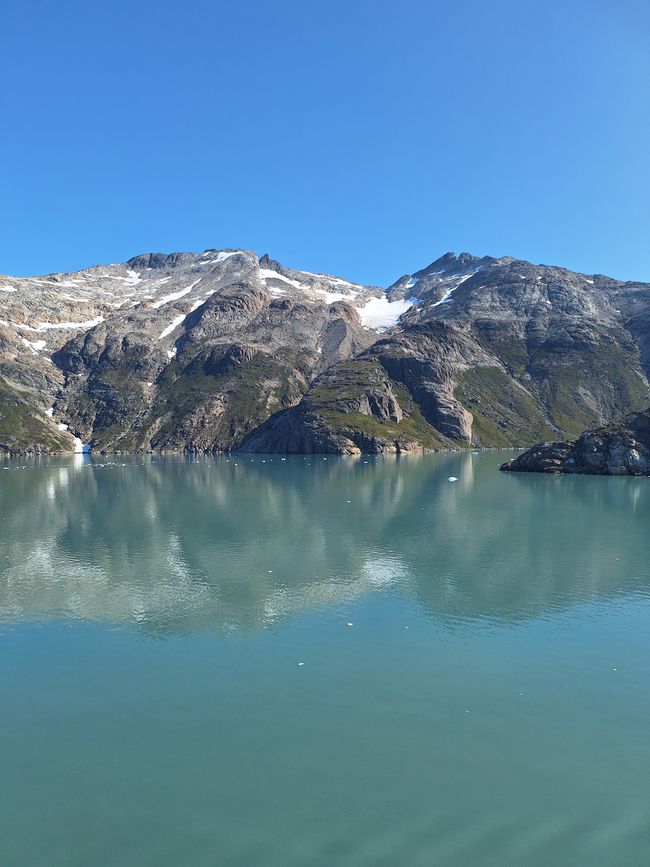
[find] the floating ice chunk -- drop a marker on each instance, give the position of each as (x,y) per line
(350,624)
(452,479)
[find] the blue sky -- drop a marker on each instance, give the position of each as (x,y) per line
(359,138)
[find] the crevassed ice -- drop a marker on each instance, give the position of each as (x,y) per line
(80,447)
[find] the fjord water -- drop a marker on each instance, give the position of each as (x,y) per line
(265,661)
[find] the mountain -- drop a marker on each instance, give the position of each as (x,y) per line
(223,350)
(618,449)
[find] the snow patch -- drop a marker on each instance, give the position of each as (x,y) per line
(449,292)
(335,280)
(333,297)
(171,352)
(221,257)
(380,313)
(8,289)
(268,274)
(34,346)
(132,278)
(175,295)
(44,326)
(172,326)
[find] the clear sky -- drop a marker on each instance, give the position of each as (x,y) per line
(360,138)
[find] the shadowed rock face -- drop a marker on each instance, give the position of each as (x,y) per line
(223,350)
(614,450)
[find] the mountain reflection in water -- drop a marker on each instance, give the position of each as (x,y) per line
(232,544)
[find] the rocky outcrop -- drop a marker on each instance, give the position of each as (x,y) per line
(613,450)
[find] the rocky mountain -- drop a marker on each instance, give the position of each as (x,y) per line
(223,350)
(618,449)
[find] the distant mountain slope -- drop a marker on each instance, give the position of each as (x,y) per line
(222,350)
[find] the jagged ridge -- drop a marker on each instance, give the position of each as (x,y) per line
(222,350)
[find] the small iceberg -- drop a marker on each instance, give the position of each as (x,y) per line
(452,479)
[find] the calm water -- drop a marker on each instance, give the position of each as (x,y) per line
(322,662)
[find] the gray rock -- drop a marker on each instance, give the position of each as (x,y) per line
(614,450)
(222,350)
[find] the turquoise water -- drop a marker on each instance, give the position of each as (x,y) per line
(315,661)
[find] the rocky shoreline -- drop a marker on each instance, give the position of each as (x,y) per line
(621,449)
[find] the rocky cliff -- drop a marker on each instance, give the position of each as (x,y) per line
(223,350)
(619,449)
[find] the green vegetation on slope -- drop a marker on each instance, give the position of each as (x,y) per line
(504,413)
(336,400)
(23,429)
(582,388)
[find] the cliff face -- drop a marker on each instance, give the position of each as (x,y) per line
(222,350)
(612,450)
